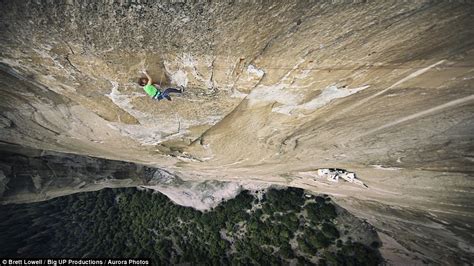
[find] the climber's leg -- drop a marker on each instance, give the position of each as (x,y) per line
(171,90)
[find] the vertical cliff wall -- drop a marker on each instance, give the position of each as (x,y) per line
(275,90)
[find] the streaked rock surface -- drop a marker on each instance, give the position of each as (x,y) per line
(275,90)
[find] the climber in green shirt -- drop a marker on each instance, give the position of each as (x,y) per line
(151,89)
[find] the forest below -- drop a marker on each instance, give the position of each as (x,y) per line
(274,227)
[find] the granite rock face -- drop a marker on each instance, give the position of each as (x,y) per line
(274,91)
(34,175)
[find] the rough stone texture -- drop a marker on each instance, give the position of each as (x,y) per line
(34,175)
(274,90)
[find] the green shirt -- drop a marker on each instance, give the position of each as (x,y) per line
(151,90)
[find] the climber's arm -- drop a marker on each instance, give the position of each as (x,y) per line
(150,81)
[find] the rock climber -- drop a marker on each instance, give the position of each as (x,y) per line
(151,88)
